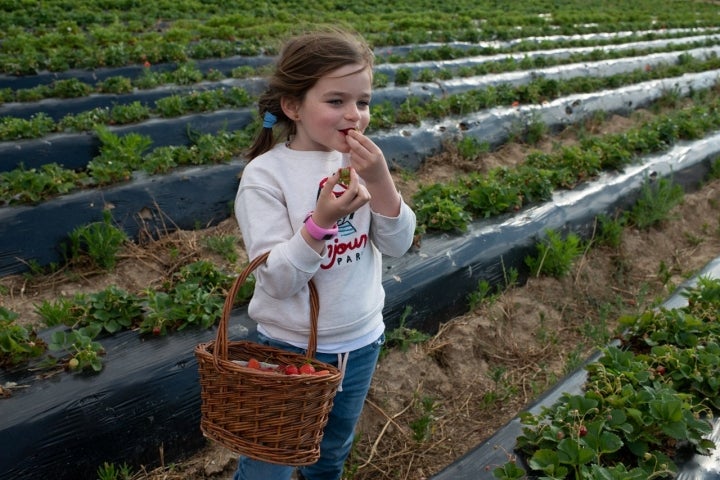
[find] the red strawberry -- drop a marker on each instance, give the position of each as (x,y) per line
(582,431)
(253,363)
(291,370)
(306,369)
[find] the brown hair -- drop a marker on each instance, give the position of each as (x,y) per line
(303,60)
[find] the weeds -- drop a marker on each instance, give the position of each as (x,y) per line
(402,337)
(108,471)
(223,245)
(470,147)
(422,426)
(656,201)
(100,241)
(481,293)
(556,255)
(610,230)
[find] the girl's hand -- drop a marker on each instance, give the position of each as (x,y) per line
(330,208)
(369,161)
(367,158)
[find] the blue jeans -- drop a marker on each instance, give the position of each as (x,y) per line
(340,430)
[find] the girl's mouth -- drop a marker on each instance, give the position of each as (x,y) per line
(345,131)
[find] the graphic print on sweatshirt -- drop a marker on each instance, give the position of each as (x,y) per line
(348,246)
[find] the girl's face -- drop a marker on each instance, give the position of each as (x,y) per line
(337,102)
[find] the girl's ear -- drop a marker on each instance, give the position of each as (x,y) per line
(290,107)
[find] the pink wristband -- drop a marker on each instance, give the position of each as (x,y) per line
(317,232)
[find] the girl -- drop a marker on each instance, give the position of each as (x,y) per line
(295,201)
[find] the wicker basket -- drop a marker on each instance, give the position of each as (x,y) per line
(264,415)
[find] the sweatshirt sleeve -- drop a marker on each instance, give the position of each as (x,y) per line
(393,236)
(265,226)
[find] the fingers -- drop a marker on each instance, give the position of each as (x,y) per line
(364,154)
(355,192)
(361,145)
(331,206)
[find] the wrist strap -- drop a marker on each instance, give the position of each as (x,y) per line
(317,232)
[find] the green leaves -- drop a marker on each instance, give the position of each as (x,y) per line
(84,352)
(34,185)
(17,343)
(600,441)
(548,462)
(555,255)
(509,471)
(636,407)
(99,241)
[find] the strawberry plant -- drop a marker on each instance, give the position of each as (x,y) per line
(131,113)
(84,121)
(195,298)
(69,88)
(644,402)
(82,351)
(19,128)
(113,309)
(115,85)
(17,343)
(119,156)
(452,205)
(33,185)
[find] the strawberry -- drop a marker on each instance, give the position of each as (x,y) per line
(306,369)
(582,431)
(291,370)
(320,373)
(253,363)
(344,176)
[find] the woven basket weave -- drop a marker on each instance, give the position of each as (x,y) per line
(267,416)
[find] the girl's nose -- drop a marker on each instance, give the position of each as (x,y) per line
(352,112)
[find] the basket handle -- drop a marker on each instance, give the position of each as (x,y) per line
(221,338)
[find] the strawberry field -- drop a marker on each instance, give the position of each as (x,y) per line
(122,127)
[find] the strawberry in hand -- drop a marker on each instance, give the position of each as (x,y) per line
(344,174)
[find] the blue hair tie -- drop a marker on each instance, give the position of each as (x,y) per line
(269,120)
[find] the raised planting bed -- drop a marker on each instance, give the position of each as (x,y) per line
(91,77)
(75,150)
(498,449)
(146,398)
(159,202)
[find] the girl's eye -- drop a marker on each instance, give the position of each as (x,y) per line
(363,104)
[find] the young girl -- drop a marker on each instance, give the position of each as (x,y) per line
(295,201)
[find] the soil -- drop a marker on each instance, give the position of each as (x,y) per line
(433,401)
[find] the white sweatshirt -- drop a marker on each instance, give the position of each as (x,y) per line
(277,190)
